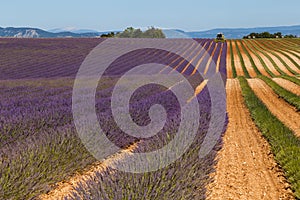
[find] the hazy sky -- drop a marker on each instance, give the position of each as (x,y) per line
(119,14)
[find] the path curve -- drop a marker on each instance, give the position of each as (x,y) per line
(66,189)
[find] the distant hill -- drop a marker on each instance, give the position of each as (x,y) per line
(39,33)
(72,30)
(170,33)
(231,32)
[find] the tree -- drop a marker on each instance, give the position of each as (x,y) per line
(137,33)
(111,34)
(152,32)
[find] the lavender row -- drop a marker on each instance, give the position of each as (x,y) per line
(46,58)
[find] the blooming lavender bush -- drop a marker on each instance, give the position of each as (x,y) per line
(39,145)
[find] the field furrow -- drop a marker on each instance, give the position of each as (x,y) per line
(279,59)
(257,62)
(43,157)
(237,61)
(246,169)
(288,85)
(228,66)
(67,189)
(269,64)
(268,58)
(247,62)
(287,56)
(280,108)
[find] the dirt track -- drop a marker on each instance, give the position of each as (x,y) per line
(228,65)
(269,64)
(288,62)
(237,62)
(257,62)
(280,108)
(247,62)
(267,49)
(66,188)
(288,85)
(280,64)
(246,169)
(265,59)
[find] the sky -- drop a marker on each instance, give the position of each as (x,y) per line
(188,15)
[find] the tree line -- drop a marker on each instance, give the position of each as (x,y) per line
(268,35)
(131,32)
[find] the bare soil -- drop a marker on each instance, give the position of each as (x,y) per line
(229,67)
(257,62)
(288,85)
(280,64)
(286,113)
(269,64)
(237,61)
(246,168)
(247,62)
(66,189)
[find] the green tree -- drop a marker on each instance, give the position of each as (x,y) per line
(152,32)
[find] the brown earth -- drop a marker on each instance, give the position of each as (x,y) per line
(292,47)
(288,85)
(287,60)
(228,66)
(247,62)
(276,60)
(237,62)
(210,59)
(286,113)
(266,61)
(257,62)
(219,58)
(283,57)
(280,64)
(246,168)
(66,188)
(269,64)
(200,60)
(289,63)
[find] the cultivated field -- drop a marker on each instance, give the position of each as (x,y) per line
(258,157)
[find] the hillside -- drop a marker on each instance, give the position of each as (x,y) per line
(231,32)
(39,33)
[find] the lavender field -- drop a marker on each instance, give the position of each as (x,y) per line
(39,144)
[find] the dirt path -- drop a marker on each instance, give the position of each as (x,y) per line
(265,59)
(280,108)
(66,188)
(290,64)
(288,85)
(237,61)
(279,63)
(269,64)
(219,58)
(228,61)
(257,62)
(288,61)
(246,169)
(210,59)
(270,48)
(247,62)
